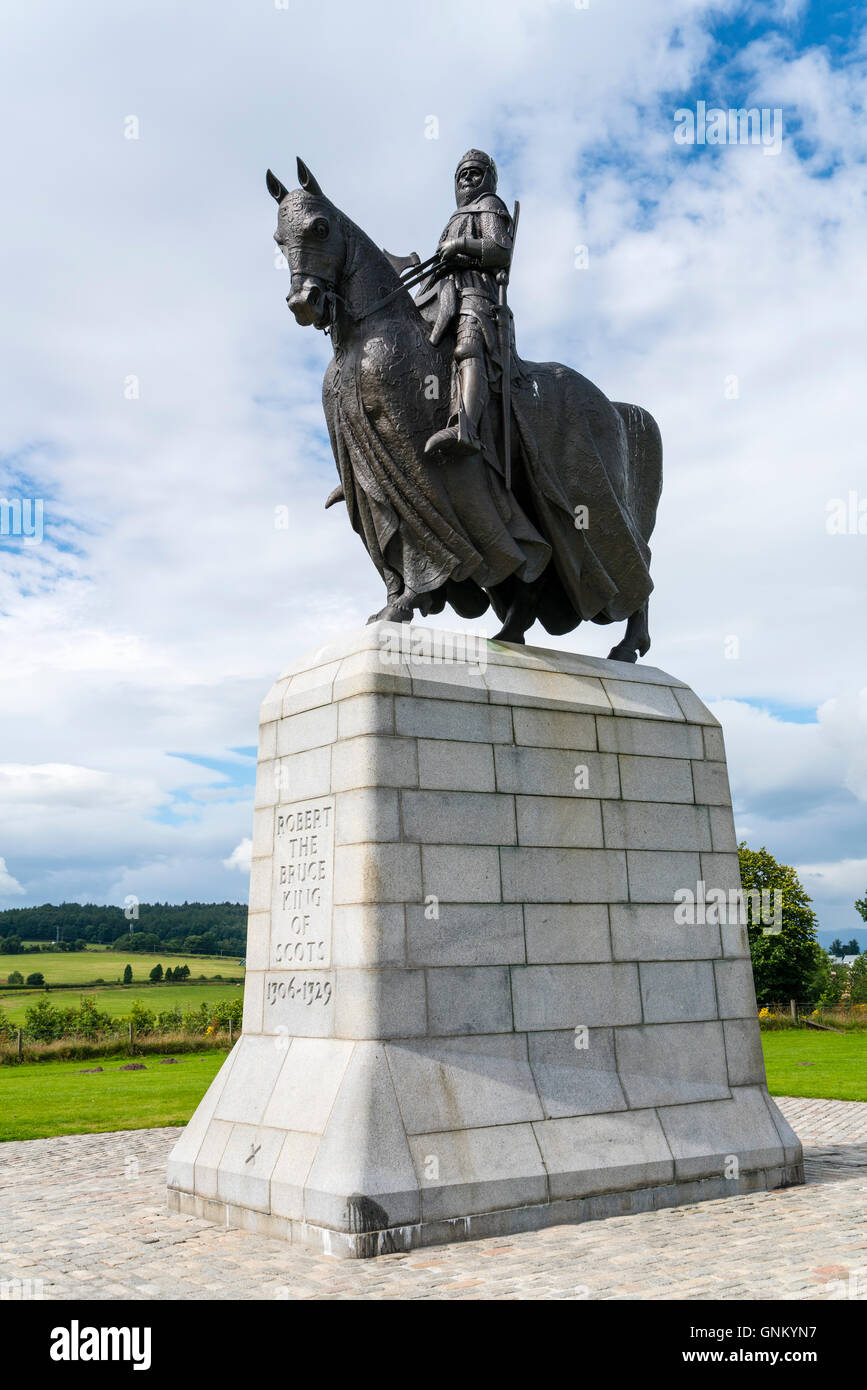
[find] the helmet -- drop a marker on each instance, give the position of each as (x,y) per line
(466,193)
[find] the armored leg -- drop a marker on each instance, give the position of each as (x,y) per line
(461,435)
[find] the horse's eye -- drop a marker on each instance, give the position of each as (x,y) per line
(320,228)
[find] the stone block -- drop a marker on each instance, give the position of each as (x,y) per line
(604,1153)
(464,934)
(746,1063)
(289,1176)
(549,728)
(363,1176)
(478,1170)
(650,738)
(655,779)
(648,931)
(246,1165)
(307,1083)
(557,932)
(569,996)
(373,1004)
(373,761)
(376,873)
(459,1083)
(705,1137)
(567,821)
(711,784)
(669,1063)
(655,876)
(468,1000)
(304,775)
(654,825)
(677,991)
(563,875)
(556,772)
(693,708)
(366,714)
(251,1080)
(576,1073)
(368,935)
(453,720)
(735,988)
(312,729)
(516,685)
(438,817)
(722,830)
(461,873)
(450,765)
(368,814)
(641,701)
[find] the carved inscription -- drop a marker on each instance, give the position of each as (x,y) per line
(302,885)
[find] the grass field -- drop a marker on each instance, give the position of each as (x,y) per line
(826,1066)
(119,999)
(83,967)
(40,1099)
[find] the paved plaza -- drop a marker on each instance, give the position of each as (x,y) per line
(84,1216)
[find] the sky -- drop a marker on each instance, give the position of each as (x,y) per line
(162,405)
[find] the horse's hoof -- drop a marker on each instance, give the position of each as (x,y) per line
(391,613)
(504,635)
(623,653)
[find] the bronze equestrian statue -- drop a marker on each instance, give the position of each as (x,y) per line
(534,494)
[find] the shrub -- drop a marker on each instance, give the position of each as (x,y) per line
(16,978)
(143,1020)
(37,979)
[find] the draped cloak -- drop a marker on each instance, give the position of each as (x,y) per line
(450,530)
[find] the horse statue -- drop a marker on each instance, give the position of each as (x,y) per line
(558,533)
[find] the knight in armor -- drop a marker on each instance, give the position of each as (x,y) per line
(462,293)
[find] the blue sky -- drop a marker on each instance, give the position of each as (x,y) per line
(162,402)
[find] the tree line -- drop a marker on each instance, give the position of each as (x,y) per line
(192,928)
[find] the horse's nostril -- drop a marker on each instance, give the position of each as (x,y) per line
(313,295)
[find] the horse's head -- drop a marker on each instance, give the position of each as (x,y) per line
(310,234)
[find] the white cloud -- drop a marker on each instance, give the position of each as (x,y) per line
(241,857)
(9,886)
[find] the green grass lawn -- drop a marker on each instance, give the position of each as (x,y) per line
(117,1000)
(82,967)
(825,1066)
(40,1099)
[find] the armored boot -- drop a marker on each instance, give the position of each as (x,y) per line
(461,435)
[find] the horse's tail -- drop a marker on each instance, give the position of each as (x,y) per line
(644,451)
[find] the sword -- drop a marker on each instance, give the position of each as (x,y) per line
(506,356)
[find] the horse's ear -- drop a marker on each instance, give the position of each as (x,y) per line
(306,179)
(275,187)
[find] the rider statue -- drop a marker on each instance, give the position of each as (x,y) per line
(462,293)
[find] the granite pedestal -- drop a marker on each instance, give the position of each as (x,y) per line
(472,1006)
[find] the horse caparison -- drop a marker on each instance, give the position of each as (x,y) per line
(566,543)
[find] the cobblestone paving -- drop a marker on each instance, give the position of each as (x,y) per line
(85,1215)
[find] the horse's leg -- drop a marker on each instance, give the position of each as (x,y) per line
(636,639)
(522,610)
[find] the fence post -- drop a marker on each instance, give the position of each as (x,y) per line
(793,1009)
(130,1032)
(20,1043)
